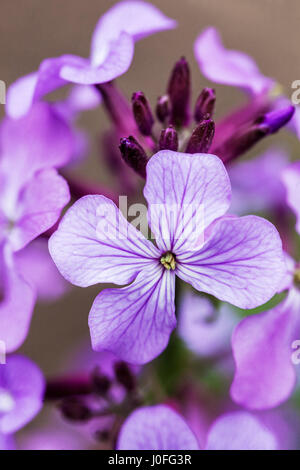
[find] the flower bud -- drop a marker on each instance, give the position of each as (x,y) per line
(205,104)
(179,92)
(75,409)
(201,137)
(163,108)
(168,139)
(101,383)
(124,376)
(276,119)
(134,155)
(142,113)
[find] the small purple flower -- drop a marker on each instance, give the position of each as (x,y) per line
(160,428)
(112,49)
(238,260)
(21,393)
(291,180)
(32,195)
(156,428)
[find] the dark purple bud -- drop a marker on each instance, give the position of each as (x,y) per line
(101,383)
(274,120)
(163,108)
(179,92)
(142,113)
(75,409)
(168,139)
(201,137)
(124,376)
(205,104)
(134,155)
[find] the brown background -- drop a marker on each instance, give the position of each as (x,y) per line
(34,29)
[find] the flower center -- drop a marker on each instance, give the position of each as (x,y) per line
(297,278)
(168,261)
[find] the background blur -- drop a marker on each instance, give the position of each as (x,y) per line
(32,30)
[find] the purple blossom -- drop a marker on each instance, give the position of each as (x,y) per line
(238,260)
(291,180)
(112,49)
(21,393)
(32,197)
(160,428)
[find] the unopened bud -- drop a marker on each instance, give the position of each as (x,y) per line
(134,155)
(168,139)
(124,376)
(163,108)
(75,409)
(142,113)
(205,104)
(276,119)
(101,383)
(201,137)
(179,92)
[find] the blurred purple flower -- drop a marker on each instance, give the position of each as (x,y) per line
(160,428)
(32,195)
(21,393)
(238,260)
(291,180)
(112,49)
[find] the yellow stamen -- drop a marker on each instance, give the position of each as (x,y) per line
(168,260)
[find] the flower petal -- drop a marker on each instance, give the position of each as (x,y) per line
(241,262)
(40,206)
(23,380)
(135,322)
(17,305)
(94,243)
(205,330)
(240,431)
(20,95)
(36,266)
(117,62)
(185,193)
(138,19)
(156,428)
(291,180)
(226,66)
(262,348)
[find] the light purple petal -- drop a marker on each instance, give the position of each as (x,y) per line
(37,267)
(291,180)
(117,62)
(185,193)
(20,94)
(135,322)
(256,183)
(138,19)
(81,98)
(94,243)
(156,428)
(240,431)
(228,67)
(205,329)
(241,262)
(262,348)
(17,305)
(40,206)
(23,381)
(7,442)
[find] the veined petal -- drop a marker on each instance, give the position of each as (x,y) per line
(117,62)
(291,180)
(241,262)
(240,431)
(95,243)
(40,206)
(226,66)
(135,322)
(185,193)
(138,19)
(156,428)
(262,346)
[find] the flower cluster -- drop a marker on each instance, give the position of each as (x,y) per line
(206,263)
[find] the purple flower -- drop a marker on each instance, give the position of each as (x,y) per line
(160,428)
(32,197)
(291,180)
(238,260)
(112,49)
(21,393)
(156,428)
(205,329)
